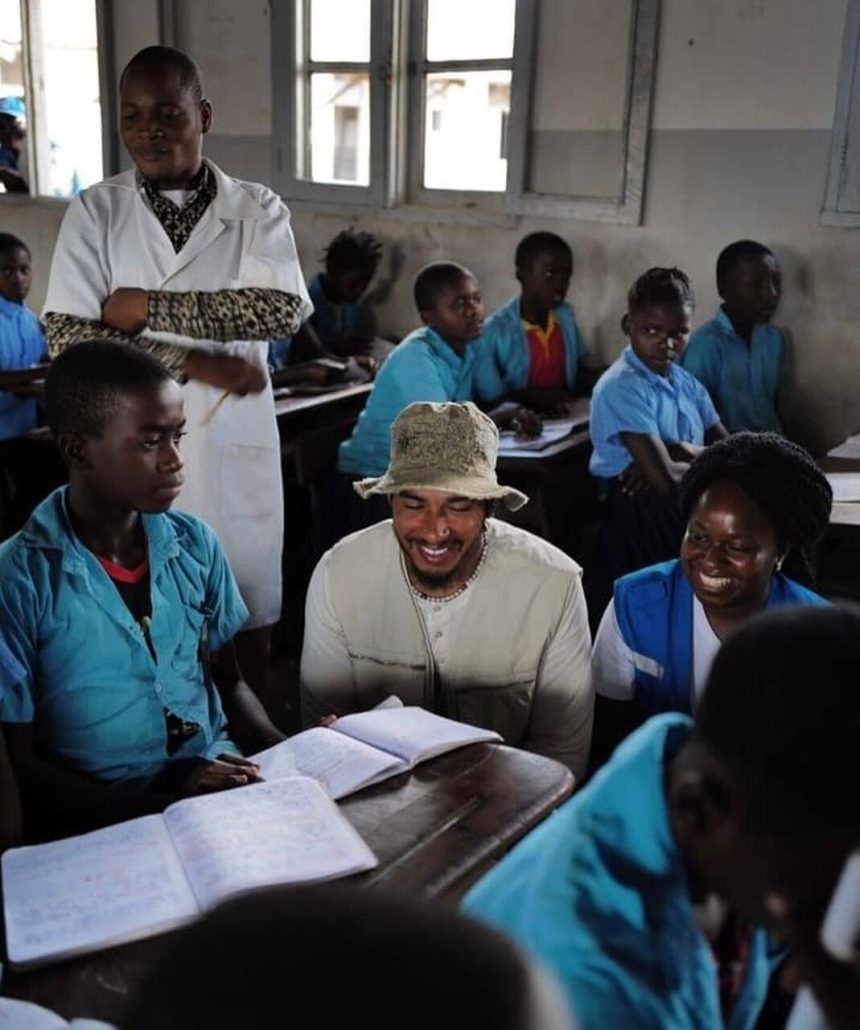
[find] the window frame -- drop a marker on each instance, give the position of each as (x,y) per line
(398,34)
(38,159)
(845,117)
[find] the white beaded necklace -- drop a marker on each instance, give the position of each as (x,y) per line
(450,597)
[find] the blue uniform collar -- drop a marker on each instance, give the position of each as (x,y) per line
(635,362)
(13,310)
(50,528)
(445,352)
(724,323)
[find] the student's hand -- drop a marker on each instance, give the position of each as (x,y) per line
(526,424)
(226,372)
(126,309)
(632,481)
(835,984)
(225,771)
(367,363)
(328,720)
(683,451)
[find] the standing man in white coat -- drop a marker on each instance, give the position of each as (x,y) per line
(200,269)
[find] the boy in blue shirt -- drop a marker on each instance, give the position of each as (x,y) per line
(738,355)
(646,893)
(649,419)
(532,347)
(22,344)
(121,613)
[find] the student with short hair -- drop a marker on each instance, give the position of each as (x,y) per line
(435,363)
(649,419)
(121,613)
(755,506)
(440,966)
(738,356)
(532,347)
(647,893)
(22,343)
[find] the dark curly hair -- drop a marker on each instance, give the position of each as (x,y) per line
(350,250)
(661,286)
(783,480)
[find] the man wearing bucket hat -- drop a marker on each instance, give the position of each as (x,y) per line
(445,606)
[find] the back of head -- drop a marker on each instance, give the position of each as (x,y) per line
(434,279)
(540,243)
(361,958)
(8,243)
(731,256)
(666,287)
(85,384)
(166,58)
(782,712)
(783,480)
(353,251)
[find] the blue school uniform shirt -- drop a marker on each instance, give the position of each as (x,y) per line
(654,610)
(12,672)
(630,398)
(599,894)
(92,689)
(21,345)
(421,368)
(742,379)
(332,321)
(504,357)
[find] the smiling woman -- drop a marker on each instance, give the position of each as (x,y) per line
(753,504)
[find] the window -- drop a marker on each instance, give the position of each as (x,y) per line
(500,106)
(842,196)
(50,97)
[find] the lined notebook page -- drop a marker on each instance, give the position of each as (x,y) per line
(341,764)
(283,831)
(112,885)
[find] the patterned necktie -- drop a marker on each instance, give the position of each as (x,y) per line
(179,222)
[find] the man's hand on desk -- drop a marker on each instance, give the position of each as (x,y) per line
(226,372)
(222,773)
(126,309)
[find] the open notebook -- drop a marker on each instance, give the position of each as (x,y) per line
(151,874)
(367,747)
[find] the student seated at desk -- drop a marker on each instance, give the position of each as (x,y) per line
(755,505)
(113,605)
(649,419)
(397,963)
(532,348)
(447,607)
(738,355)
(434,363)
(647,892)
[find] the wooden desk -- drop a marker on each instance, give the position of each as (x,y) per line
(290,402)
(563,495)
(435,831)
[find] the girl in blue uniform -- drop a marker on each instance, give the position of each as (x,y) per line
(649,419)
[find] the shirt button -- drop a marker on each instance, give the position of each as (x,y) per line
(438,608)
(438,634)
(158,688)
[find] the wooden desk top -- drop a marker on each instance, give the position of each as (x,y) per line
(435,831)
(291,401)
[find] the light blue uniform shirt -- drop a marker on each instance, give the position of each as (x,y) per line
(742,379)
(504,356)
(12,671)
(21,345)
(332,322)
(422,368)
(94,693)
(630,398)
(599,894)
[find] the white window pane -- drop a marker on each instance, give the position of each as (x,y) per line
(340,129)
(73,108)
(465,122)
(459,30)
(340,30)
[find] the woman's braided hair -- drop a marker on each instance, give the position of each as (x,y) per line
(783,480)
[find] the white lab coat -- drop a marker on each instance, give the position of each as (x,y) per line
(111,238)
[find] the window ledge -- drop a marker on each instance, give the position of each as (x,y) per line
(473,217)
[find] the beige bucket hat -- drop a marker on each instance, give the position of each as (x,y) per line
(450,447)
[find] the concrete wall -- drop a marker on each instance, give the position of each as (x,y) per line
(743,107)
